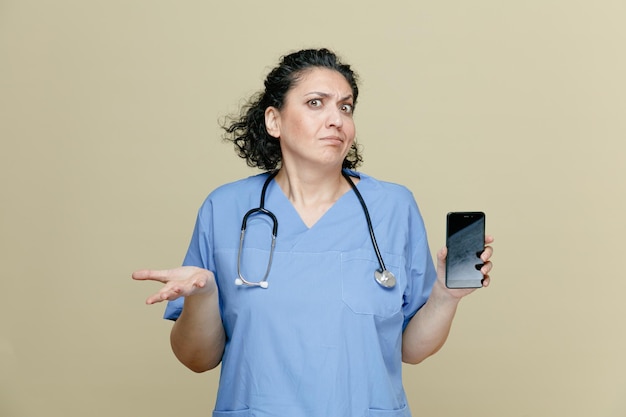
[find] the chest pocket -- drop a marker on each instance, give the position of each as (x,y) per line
(360,291)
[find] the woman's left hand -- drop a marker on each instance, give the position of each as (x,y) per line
(486,268)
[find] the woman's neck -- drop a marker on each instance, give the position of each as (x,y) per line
(312,192)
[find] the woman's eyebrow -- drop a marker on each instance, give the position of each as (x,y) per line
(325,95)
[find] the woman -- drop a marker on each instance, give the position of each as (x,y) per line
(304,329)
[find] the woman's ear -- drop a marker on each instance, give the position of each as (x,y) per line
(272,122)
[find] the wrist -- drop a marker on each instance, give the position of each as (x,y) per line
(206,294)
(444,295)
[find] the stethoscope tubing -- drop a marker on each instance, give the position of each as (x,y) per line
(383,277)
(244,223)
(368,219)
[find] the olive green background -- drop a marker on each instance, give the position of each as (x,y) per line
(110,141)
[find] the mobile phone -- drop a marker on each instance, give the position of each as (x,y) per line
(465,239)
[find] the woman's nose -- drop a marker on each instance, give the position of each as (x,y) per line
(334,118)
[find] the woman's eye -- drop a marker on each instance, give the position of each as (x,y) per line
(347,108)
(315,102)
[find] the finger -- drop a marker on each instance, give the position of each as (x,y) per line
(441,258)
(156,298)
(164,295)
(486,253)
(486,281)
(442,254)
(441,263)
(486,268)
(489,239)
(199,283)
(151,274)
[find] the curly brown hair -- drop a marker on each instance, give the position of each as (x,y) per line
(247,130)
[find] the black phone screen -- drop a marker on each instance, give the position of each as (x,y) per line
(465,239)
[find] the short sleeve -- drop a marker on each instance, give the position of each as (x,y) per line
(421,270)
(198,254)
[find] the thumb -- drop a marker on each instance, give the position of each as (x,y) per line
(441,256)
(441,261)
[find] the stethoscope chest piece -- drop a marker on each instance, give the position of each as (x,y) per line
(385,278)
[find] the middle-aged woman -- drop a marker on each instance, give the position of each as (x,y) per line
(303,328)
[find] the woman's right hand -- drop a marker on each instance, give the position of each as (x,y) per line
(179,282)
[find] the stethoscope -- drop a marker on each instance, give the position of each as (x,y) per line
(382,276)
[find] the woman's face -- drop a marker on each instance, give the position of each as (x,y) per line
(315,125)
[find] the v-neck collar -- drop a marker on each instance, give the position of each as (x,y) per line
(291,227)
(285,200)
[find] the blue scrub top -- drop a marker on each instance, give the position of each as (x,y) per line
(324,339)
